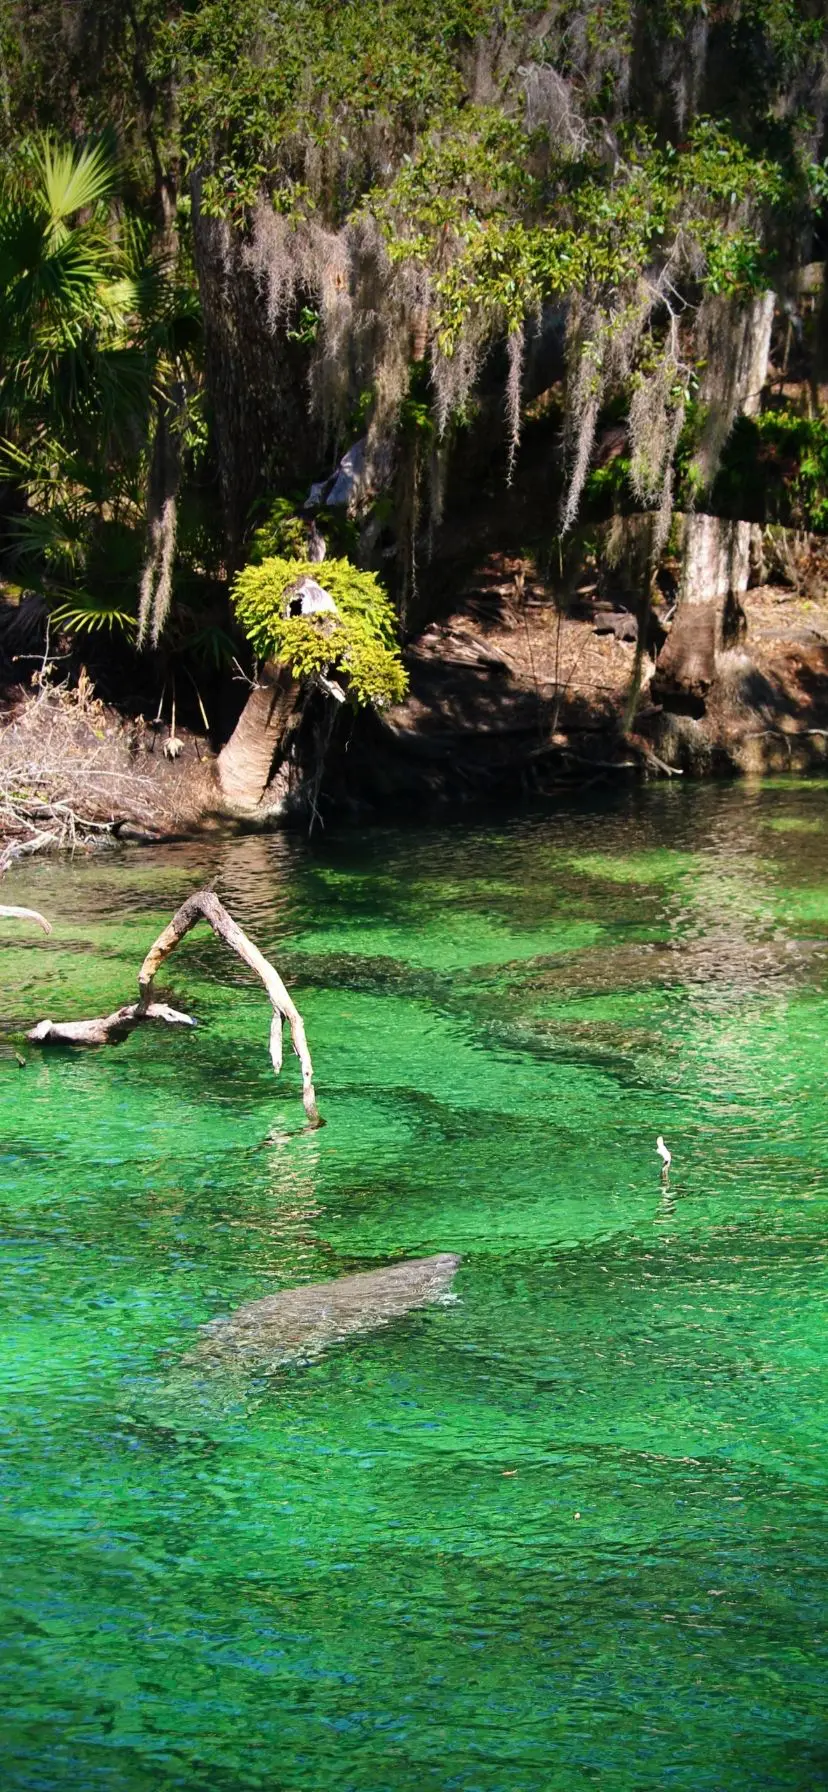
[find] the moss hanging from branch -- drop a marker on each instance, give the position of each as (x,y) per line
(428,184)
(514,383)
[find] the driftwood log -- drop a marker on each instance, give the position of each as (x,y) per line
(110,1029)
(26,914)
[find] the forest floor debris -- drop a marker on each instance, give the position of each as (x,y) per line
(74,772)
(507,690)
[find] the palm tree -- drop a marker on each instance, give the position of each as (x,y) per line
(95,352)
(66,298)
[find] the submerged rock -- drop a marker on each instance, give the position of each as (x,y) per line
(299,1323)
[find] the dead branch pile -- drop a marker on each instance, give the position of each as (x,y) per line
(58,786)
(72,772)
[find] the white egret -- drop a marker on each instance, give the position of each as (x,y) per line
(665,1155)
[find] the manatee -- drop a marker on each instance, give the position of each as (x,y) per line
(299,1323)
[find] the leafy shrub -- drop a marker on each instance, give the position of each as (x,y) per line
(775,469)
(283,535)
(360,642)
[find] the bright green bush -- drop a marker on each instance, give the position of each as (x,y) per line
(359,643)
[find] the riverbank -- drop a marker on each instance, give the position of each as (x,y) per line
(507,691)
(508,698)
(73,770)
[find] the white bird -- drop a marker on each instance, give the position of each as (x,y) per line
(665,1155)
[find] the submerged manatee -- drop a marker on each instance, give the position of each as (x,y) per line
(301,1322)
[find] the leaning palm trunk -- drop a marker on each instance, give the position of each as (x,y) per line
(253,767)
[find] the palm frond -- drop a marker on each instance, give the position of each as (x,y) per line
(21,241)
(56,539)
(73,179)
(86,614)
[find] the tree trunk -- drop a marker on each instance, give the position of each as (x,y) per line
(820,283)
(254,778)
(256,378)
(716,558)
(753,370)
(735,343)
(715,569)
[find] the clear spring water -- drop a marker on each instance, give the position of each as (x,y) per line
(567,1530)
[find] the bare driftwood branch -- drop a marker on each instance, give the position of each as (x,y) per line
(9,912)
(26,914)
(205,905)
(651,758)
(110,1028)
(19,849)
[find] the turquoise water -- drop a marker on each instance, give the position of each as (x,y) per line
(567,1530)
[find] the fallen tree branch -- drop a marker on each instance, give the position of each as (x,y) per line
(788,734)
(111,1028)
(20,849)
(26,914)
(603,765)
(10,912)
(651,758)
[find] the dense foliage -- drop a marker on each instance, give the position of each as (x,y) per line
(358,640)
(775,470)
(256,232)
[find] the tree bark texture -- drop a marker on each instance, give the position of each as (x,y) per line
(250,767)
(734,341)
(715,567)
(756,341)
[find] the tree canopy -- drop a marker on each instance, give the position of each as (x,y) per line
(255,232)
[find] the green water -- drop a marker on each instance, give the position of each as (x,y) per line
(567,1530)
